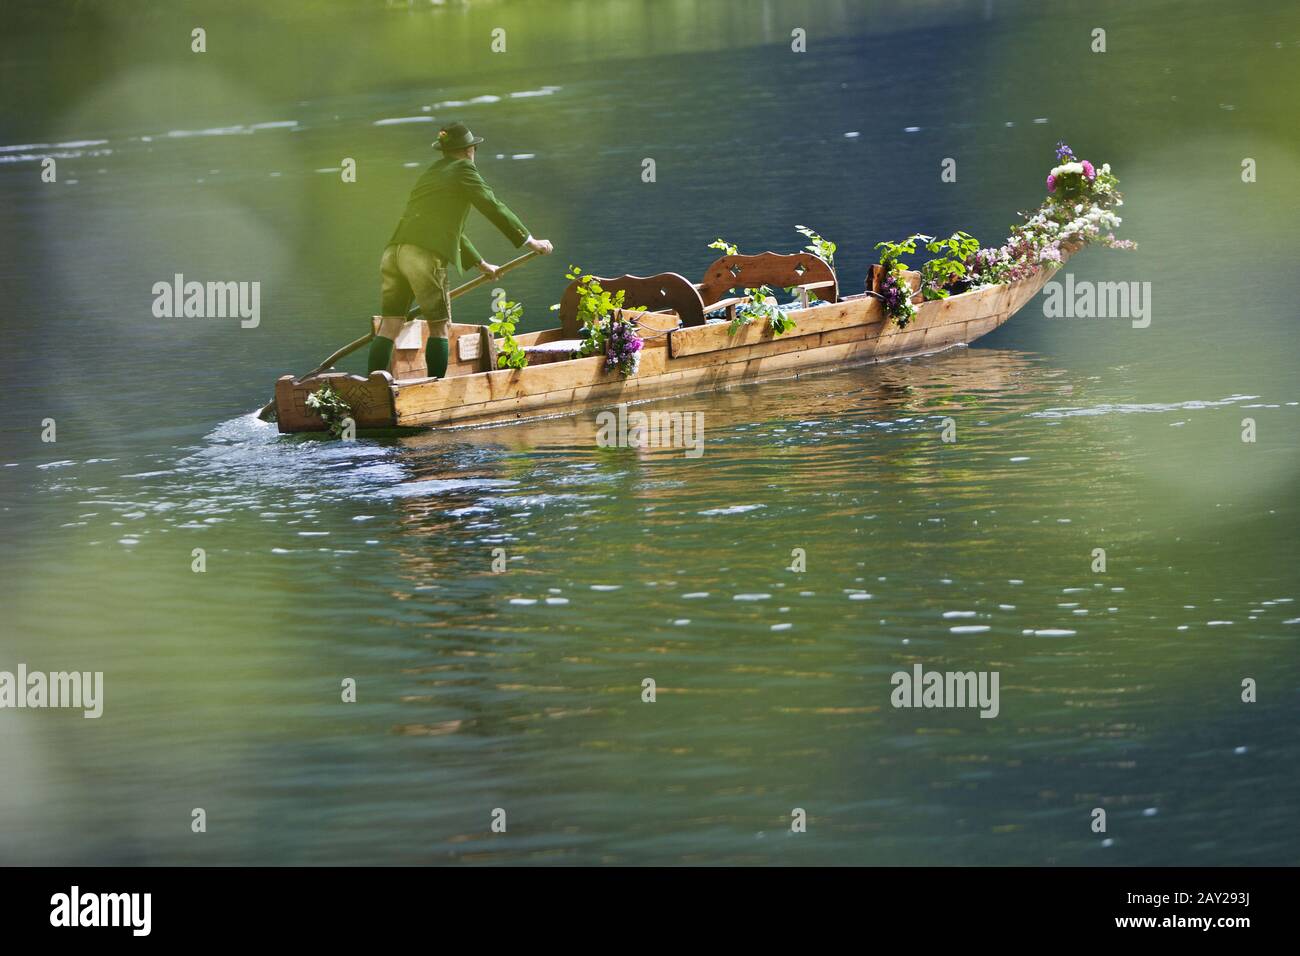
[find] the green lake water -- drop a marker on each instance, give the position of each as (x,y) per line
(522,690)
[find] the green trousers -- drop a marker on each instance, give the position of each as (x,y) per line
(411,272)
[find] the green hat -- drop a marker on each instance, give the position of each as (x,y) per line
(456,136)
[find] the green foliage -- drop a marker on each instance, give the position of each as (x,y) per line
(818,245)
(505,318)
(892,252)
(960,246)
(727,248)
(780,323)
(936,274)
(949,267)
(761,305)
(736,324)
(596,308)
(329,405)
(895,290)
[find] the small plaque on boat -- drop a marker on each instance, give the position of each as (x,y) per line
(467,347)
(410,337)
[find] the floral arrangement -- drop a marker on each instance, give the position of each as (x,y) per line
(622,345)
(1079,209)
(1074,176)
(940,277)
(895,290)
(334,412)
(605,329)
(897,294)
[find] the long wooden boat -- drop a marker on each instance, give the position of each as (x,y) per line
(684,352)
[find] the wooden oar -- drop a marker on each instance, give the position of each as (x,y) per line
(352,346)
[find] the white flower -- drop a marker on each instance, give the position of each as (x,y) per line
(1068,168)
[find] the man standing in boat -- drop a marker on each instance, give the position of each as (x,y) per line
(430,235)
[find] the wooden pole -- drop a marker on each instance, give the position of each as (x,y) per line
(352,346)
(473,284)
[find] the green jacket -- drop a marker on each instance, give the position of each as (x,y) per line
(439,205)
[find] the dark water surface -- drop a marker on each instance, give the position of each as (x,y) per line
(522,690)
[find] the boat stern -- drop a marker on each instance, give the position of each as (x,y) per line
(371,400)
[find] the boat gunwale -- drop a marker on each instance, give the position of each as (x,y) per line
(570,384)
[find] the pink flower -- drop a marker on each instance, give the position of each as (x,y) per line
(1051,184)
(1088,171)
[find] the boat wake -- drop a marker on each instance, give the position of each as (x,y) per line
(1124,408)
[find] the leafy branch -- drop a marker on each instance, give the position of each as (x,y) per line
(942,271)
(507,317)
(761,305)
(597,308)
(818,245)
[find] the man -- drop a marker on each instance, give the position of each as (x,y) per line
(432,234)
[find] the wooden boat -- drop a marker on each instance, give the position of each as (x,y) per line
(684,352)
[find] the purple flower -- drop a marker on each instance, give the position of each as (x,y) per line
(1063,153)
(621,346)
(891,292)
(1088,171)
(1051,184)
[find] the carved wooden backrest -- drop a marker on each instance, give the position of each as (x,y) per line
(768,268)
(667,290)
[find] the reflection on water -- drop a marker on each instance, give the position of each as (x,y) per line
(521,689)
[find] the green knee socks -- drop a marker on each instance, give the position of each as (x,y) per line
(436,353)
(381,353)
